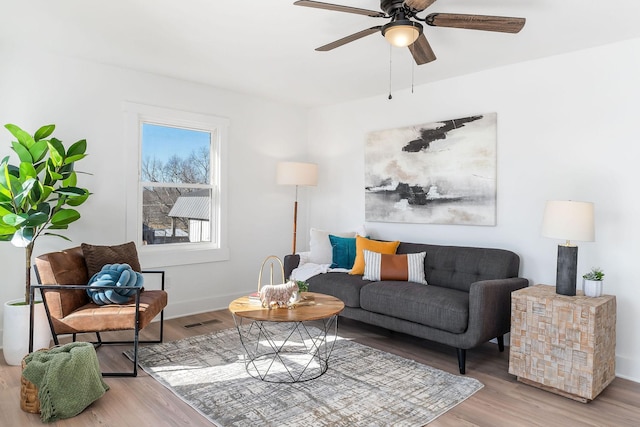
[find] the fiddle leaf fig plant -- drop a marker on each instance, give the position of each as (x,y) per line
(40,194)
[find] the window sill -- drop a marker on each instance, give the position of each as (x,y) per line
(167,257)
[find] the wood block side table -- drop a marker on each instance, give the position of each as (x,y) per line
(563,344)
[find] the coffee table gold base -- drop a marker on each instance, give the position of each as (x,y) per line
(287,352)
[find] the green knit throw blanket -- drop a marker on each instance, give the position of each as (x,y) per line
(67,377)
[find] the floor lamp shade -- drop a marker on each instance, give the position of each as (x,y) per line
(568,220)
(296,173)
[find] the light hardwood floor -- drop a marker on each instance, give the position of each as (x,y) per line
(503,401)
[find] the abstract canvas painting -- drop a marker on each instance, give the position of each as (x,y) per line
(437,173)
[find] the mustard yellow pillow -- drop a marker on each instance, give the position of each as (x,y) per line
(363,243)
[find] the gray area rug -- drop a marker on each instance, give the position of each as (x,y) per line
(362,386)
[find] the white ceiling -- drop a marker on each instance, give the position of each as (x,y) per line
(266,47)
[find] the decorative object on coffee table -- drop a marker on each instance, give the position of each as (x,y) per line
(563,344)
(302,286)
(592,282)
(296,173)
(282,295)
(568,220)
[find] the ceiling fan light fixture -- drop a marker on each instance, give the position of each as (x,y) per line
(402,33)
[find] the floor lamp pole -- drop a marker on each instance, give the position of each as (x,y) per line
(295,221)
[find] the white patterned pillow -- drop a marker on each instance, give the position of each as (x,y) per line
(398,267)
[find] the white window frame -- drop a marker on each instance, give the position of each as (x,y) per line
(176,253)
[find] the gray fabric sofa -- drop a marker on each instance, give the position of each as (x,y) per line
(466,303)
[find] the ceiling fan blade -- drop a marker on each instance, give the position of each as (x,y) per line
(421,51)
(349,39)
(339,8)
(418,5)
(501,24)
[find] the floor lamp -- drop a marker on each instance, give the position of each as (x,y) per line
(296,173)
(568,220)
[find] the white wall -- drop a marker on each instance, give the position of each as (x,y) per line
(85,99)
(567,129)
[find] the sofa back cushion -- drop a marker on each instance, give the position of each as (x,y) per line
(457,267)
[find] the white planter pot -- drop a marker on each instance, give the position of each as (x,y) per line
(592,288)
(15,334)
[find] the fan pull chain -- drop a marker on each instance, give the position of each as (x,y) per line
(413,70)
(390,62)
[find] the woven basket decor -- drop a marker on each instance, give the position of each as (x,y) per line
(29,401)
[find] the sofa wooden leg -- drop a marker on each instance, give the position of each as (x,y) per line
(462,356)
(500,343)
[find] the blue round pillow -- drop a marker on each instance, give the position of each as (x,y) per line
(120,275)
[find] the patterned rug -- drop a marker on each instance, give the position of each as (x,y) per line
(362,386)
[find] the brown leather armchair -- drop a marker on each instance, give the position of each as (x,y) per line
(63,278)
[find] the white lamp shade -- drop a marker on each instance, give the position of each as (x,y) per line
(297,173)
(569,220)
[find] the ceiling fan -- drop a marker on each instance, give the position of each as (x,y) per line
(404,31)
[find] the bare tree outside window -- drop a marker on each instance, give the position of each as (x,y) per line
(177,190)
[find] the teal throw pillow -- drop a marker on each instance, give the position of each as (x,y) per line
(344,251)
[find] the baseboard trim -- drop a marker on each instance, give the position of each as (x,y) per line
(628,368)
(197,306)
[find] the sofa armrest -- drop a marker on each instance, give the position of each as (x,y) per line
(490,308)
(290,263)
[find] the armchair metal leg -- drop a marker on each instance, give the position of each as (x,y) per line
(136,344)
(500,343)
(134,372)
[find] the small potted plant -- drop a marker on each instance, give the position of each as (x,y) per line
(302,286)
(592,283)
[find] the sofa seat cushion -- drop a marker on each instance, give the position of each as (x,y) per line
(434,306)
(340,285)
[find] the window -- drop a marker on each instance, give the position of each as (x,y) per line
(176,185)
(176,206)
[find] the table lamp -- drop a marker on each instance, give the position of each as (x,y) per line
(568,220)
(296,173)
